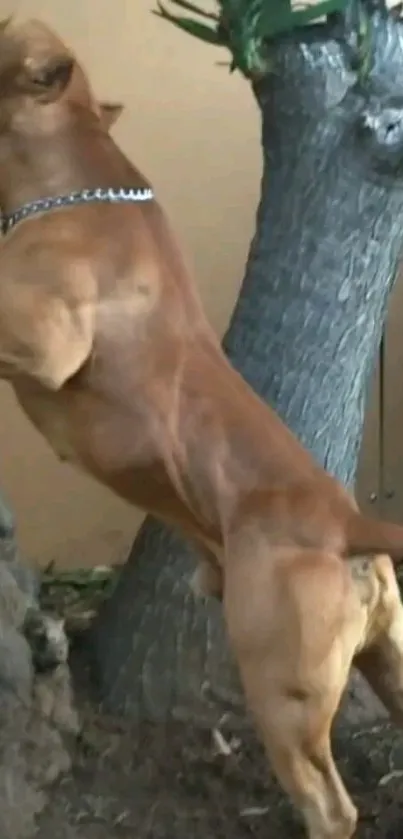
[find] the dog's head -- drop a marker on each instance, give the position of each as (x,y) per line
(41,79)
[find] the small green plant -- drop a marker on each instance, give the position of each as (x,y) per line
(245,27)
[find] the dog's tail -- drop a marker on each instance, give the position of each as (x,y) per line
(372,536)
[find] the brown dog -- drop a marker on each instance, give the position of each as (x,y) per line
(104,341)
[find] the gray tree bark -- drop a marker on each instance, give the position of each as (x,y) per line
(32,752)
(304,333)
(25,576)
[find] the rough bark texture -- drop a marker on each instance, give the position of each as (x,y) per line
(304,333)
(25,576)
(32,752)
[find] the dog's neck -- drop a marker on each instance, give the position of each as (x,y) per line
(74,157)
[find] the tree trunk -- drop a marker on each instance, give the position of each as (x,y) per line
(32,753)
(304,333)
(25,577)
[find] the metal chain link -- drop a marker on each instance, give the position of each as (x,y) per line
(84,196)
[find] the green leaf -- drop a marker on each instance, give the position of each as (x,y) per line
(192,27)
(191,7)
(284,18)
(246,26)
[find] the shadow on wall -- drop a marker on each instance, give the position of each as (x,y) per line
(194,129)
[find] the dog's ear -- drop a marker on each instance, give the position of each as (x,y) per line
(48,79)
(110,113)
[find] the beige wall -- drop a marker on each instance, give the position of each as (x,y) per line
(194,129)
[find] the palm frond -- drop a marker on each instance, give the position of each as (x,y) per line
(247,26)
(208,34)
(191,7)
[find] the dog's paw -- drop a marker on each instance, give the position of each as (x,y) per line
(196,583)
(206,581)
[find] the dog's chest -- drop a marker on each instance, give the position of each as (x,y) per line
(89,432)
(45,410)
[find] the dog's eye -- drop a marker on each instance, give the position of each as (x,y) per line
(56,74)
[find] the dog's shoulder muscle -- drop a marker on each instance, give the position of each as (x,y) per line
(47,312)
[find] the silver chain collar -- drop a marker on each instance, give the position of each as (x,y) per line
(84,196)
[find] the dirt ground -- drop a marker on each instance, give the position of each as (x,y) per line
(174,782)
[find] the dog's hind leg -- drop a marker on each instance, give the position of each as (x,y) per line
(294,624)
(381,662)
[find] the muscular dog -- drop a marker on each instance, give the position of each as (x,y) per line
(103,338)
